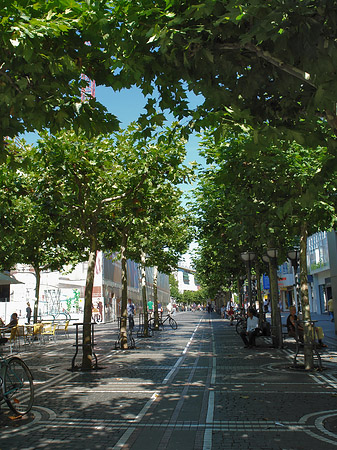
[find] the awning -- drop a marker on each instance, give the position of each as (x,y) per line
(5,279)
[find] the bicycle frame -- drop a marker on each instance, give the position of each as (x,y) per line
(3,366)
(2,376)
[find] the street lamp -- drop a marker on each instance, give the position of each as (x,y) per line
(272,254)
(293,256)
(248,257)
(265,259)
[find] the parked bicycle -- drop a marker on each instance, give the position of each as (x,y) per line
(241,320)
(16,384)
(172,322)
(241,325)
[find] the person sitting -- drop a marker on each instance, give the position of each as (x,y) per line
(251,331)
(14,321)
(292,322)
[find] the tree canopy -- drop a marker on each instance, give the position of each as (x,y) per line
(252,61)
(45,47)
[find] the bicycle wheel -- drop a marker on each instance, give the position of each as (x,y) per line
(151,324)
(173,323)
(240,326)
(18,386)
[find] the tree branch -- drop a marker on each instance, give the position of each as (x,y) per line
(294,71)
(4,74)
(119,197)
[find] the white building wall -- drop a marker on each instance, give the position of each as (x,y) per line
(186,279)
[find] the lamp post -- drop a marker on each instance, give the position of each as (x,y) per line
(276,323)
(240,290)
(293,256)
(248,257)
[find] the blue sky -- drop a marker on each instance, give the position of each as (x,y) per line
(128,104)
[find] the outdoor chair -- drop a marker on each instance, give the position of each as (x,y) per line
(37,332)
(49,331)
(13,339)
(64,327)
(22,332)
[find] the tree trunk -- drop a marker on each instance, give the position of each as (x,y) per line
(143,277)
(124,313)
(259,295)
(308,336)
(86,340)
(37,291)
(276,322)
(239,292)
(155,297)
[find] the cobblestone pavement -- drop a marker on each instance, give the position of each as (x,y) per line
(191,388)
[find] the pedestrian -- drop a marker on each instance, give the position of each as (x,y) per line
(249,335)
(222,311)
(209,308)
(150,308)
(230,315)
(265,305)
(169,308)
(330,309)
(28,313)
(131,313)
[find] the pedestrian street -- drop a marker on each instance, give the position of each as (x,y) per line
(196,387)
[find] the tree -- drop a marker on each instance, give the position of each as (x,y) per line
(250,61)
(174,291)
(10,190)
(151,226)
(273,186)
(30,222)
(88,179)
(43,54)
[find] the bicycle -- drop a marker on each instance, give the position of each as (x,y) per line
(172,322)
(241,325)
(16,383)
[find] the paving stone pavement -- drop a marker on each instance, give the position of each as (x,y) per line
(191,388)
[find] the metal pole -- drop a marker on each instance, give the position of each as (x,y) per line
(249,283)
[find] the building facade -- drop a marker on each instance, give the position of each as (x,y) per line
(186,277)
(64,292)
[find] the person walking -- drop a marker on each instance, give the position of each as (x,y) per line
(330,309)
(131,313)
(150,306)
(28,313)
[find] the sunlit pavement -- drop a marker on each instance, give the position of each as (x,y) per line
(192,388)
